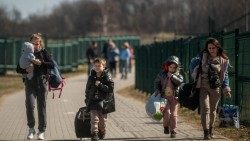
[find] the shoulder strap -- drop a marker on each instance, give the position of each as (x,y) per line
(199,69)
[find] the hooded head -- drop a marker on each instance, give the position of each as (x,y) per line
(171,60)
(28,48)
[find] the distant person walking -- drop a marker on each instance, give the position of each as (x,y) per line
(131,58)
(105,48)
(92,53)
(36,87)
(167,85)
(124,60)
(213,76)
(113,58)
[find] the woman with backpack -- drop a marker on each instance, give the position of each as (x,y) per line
(212,76)
(37,88)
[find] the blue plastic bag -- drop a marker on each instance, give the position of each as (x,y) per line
(154,105)
(229,116)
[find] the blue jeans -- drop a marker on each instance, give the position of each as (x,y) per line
(124,68)
(36,88)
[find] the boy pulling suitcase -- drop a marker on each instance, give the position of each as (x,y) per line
(99,98)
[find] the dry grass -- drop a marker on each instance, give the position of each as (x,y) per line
(130,92)
(159,37)
(192,117)
(10,83)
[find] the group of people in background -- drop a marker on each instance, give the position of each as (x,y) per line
(116,57)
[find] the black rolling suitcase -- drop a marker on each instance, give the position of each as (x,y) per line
(82,123)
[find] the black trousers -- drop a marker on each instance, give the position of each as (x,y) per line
(36,88)
(112,67)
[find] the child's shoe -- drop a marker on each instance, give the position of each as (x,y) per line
(173,134)
(166,130)
(101,134)
(94,137)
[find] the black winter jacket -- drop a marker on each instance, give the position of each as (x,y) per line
(45,57)
(95,95)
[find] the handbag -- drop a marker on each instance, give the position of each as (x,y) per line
(189,96)
(213,77)
(108,105)
(20,70)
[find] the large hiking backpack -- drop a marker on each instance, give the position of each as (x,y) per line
(56,81)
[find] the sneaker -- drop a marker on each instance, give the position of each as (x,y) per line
(173,134)
(31,134)
(40,136)
(166,130)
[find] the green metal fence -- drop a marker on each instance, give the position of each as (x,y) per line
(69,53)
(243,74)
(150,57)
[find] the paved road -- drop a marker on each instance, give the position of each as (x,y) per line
(129,122)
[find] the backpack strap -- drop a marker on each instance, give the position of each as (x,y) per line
(198,73)
(62,85)
(199,69)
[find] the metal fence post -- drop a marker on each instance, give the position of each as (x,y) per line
(236,68)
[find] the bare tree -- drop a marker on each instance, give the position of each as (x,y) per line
(81,18)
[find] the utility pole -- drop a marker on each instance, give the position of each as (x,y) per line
(175,18)
(104,17)
(246,10)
